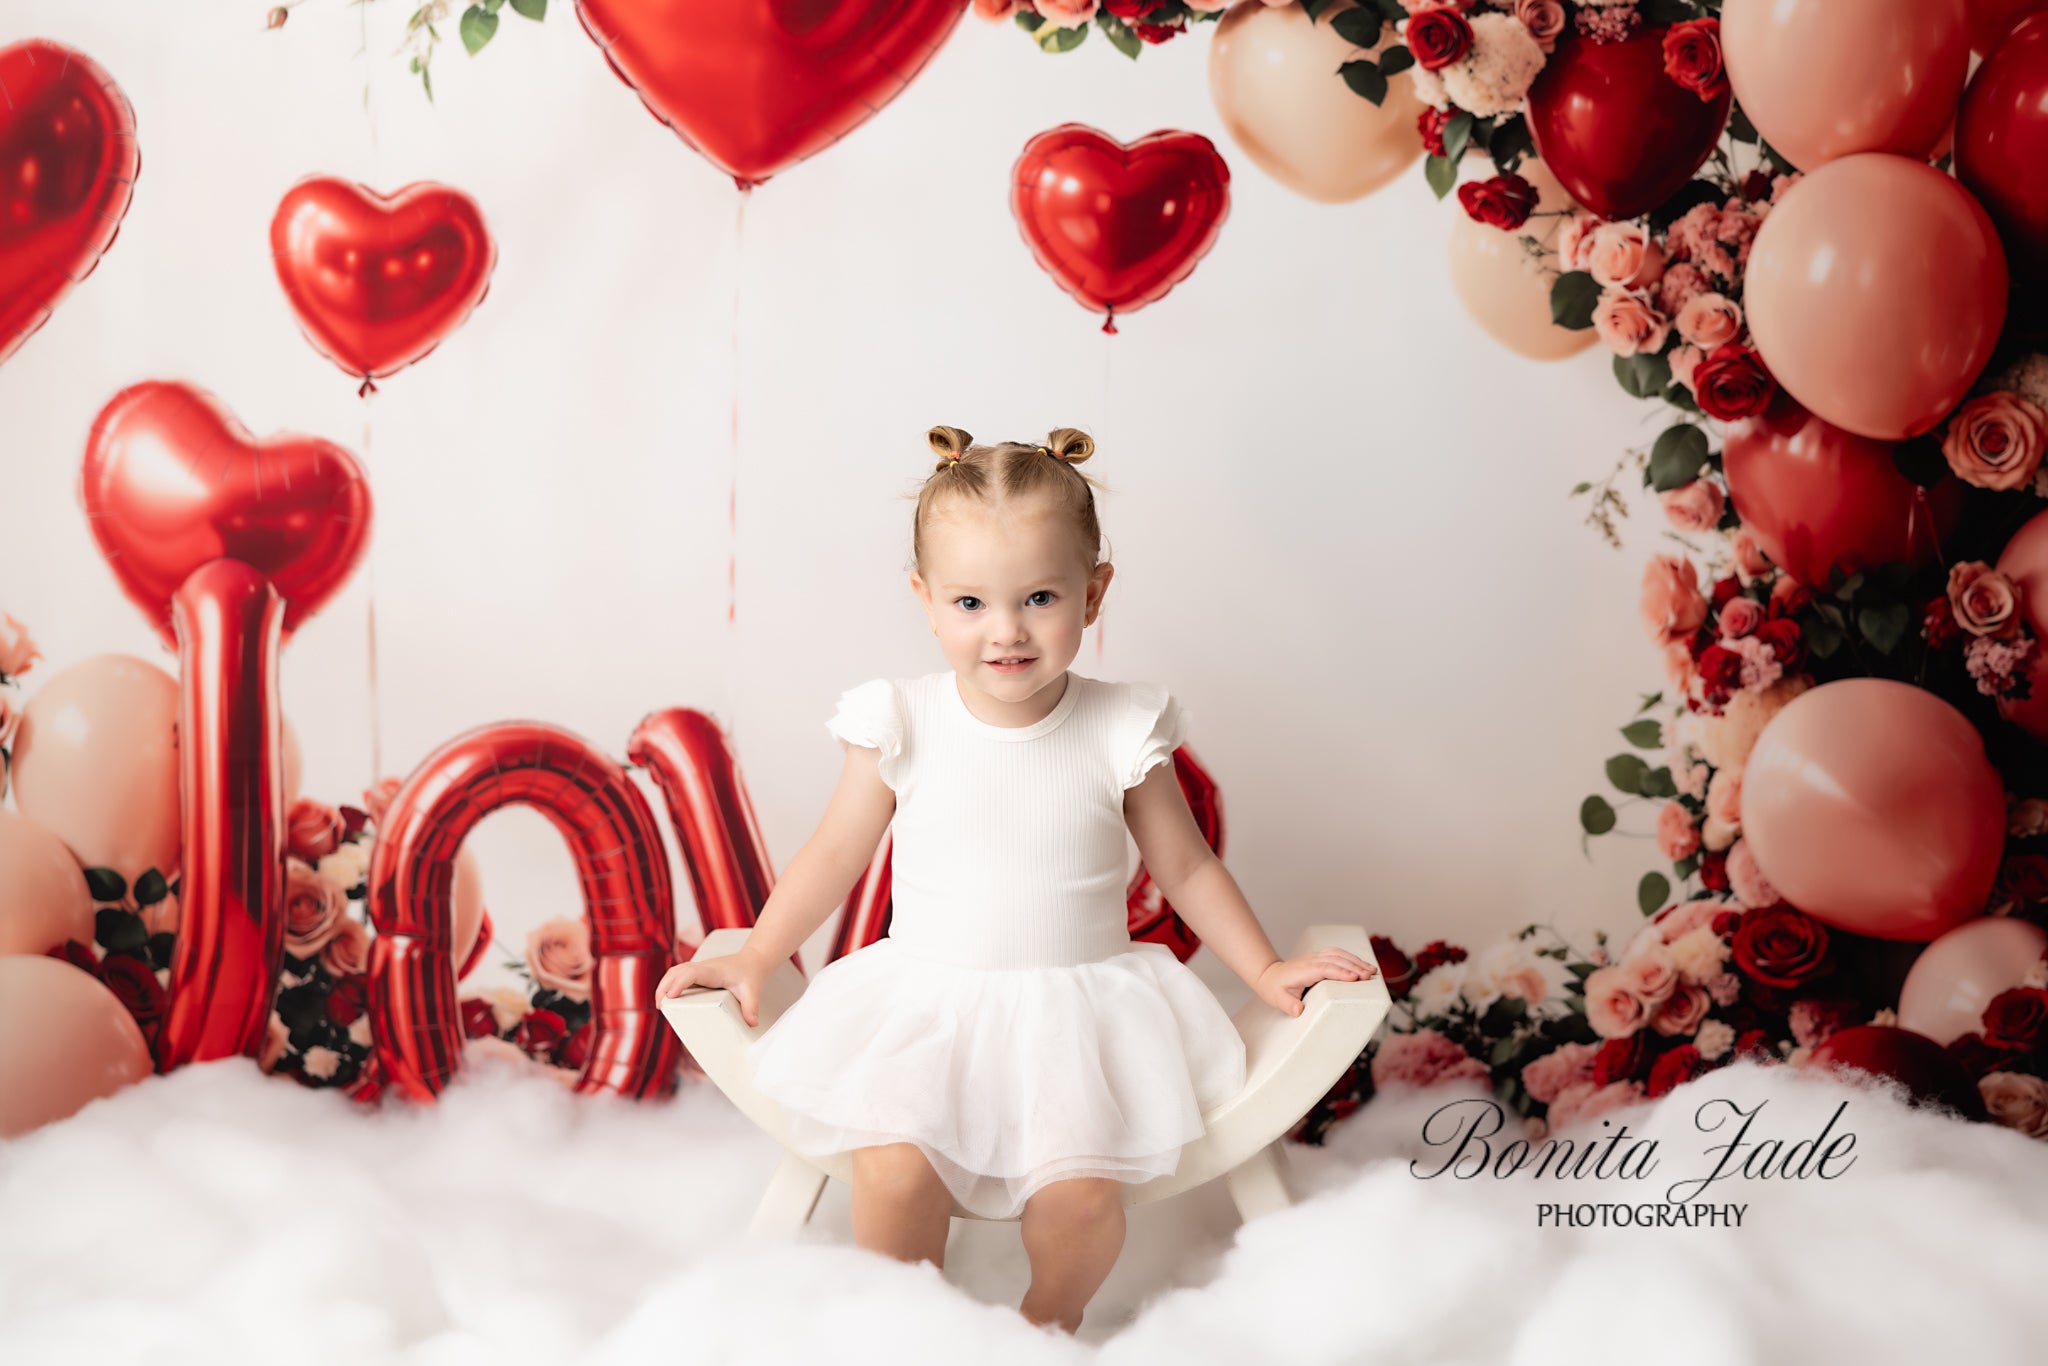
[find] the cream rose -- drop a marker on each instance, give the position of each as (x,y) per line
(558,954)
(1614,1011)
(1995,441)
(2017,1101)
(314,908)
(1709,320)
(1727,739)
(1682,1011)
(1699,955)
(1986,602)
(1628,324)
(1624,256)
(348,953)
(1693,507)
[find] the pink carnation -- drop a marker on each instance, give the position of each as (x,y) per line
(1747,881)
(1423,1058)
(1680,284)
(1677,836)
(1567,1065)
(1586,1102)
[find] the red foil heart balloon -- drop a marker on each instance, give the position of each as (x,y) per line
(758,85)
(1119,226)
(68,163)
(379,280)
(1619,133)
(172,480)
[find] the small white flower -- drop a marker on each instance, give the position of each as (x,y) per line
(1714,1038)
(1437,990)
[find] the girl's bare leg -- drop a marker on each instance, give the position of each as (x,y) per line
(1073,1231)
(900,1207)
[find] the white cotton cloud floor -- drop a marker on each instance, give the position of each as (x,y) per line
(216,1215)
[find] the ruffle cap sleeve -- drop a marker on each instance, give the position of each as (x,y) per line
(871,716)
(1155,724)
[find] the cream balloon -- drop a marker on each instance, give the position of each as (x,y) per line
(43,897)
(1504,286)
(65,1041)
(294,763)
(469,904)
(96,764)
(1958,973)
(1272,78)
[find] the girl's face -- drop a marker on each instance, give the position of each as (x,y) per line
(1007,586)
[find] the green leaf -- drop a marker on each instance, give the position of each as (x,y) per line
(119,931)
(1053,38)
(1314,9)
(1441,173)
(493,6)
(427,84)
(1658,783)
(1668,11)
(150,888)
(1823,637)
(1119,33)
(1680,397)
(1358,27)
(530,9)
(1365,80)
(1572,297)
(1644,734)
(1686,866)
(1739,126)
(1885,625)
(1596,817)
(104,884)
(1457,135)
(1642,376)
(1651,892)
(1393,11)
(1510,143)
(1396,60)
(1503,1049)
(1030,20)
(478,24)
(1581,487)
(1676,458)
(1626,772)
(1650,699)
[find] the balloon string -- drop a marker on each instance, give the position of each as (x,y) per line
(732,489)
(366,394)
(1102,428)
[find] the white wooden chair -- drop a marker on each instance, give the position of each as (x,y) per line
(1290,1062)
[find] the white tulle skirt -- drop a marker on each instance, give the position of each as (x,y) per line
(1006,1078)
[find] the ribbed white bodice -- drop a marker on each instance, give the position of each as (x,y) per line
(1010,841)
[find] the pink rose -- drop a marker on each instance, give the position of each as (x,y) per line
(1685,362)
(312,829)
(348,953)
(1693,507)
(1647,970)
(1569,1064)
(1672,606)
(17,651)
(377,800)
(995,9)
(1624,256)
(1676,922)
(1575,241)
(1628,325)
(1423,1058)
(1995,441)
(1543,18)
(1066,13)
(1707,320)
(1740,617)
(1614,1011)
(1749,557)
(1586,1102)
(1677,836)
(1724,796)
(1682,1011)
(1747,881)
(558,954)
(314,907)
(1985,602)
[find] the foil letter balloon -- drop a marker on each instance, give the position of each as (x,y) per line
(756,86)
(378,281)
(68,163)
(627,895)
(1118,226)
(712,815)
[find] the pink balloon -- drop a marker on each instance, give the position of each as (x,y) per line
(65,1041)
(1956,976)
(2025,562)
(1876,291)
(1503,287)
(96,764)
(1821,79)
(43,897)
(1870,805)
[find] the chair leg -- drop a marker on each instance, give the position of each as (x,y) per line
(792,1194)
(1259,1185)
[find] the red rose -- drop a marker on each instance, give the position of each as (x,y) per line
(1438,37)
(1131,9)
(78,955)
(1751,1043)
(1692,57)
(1395,969)
(2015,1018)
(2022,878)
(313,829)
(1732,383)
(1430,123)
(575,1049)
(353,819)
(1157,33)
(1726,921)
(348,999)
(1720,671)
(1757,185)
(1724,590)
(1787,601)
(1622,1059)
(1938,623)
(539,1033)
(1781,947)
(1435,954)
(1975,1056)
(479,1021)
(1714,870)
(134,984)
(1787,642)
(1675,1068)
(1504,201)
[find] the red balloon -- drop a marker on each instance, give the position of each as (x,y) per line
(68,161)
(379,280)
(231,919)
(1817,497)
(1914,1061)
(2002,145)
(869,906)
(1119,226)
(627,895)
(172,480)
(758,85)
(713,817)
(1991,20)
(1620,134)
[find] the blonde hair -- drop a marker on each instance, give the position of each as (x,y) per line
(1011,471)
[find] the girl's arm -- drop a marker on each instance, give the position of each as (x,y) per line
(818,879)
(1207,897)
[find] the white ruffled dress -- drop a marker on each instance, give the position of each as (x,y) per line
(1007,1024)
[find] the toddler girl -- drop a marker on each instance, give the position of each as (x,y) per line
(1006,1045)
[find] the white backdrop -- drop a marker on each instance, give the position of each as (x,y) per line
(1340,519)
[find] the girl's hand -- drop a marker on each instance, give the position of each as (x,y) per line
(1281,985)
(740,973)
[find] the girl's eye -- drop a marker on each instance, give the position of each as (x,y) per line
(1045,593)
(970,603)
